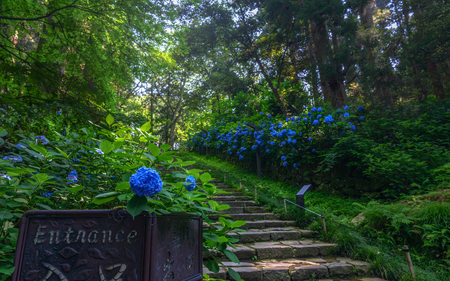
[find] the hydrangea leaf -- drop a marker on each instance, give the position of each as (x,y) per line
(212,266)
(165,147)
(146,127)
(136,205)
(123,186)
(231,256)
(109,119)
(3,132)
(237,224)
(106,146)
(205,177)
(234,274)
(154,150)
(39,149)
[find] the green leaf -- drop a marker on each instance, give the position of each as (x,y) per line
(205,177)
(117,144)
(231,256)
(223,207)
(136,205)
(187,163)
(237,224)
(234,274)
(2,142)
(127,176)
(123,186)
(164,147)
(107,195)
(154,150)
(212,266)
(213,204)
(5,215)
(164,158)
(224,221)
(7,271)
(43,206)
(41,177)
(109,119)
(106,146)
(146,127)
(75,189)
(3,132)
(39,149)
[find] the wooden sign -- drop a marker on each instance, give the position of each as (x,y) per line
(108,245)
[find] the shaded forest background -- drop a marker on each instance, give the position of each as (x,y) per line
(185,64)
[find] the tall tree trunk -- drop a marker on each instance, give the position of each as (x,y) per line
(313,70)
(435,79)
(339,97)
(319,33)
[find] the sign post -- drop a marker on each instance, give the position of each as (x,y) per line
(106,245)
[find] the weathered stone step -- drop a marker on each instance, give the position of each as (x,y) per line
(237,203)
(261,235)
(250,217)
(227,193)
(297,269)
(242,209)
(231,198)
(283,250)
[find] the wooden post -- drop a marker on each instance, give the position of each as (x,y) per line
(323,223)
(409,261)
(256,193)
(224,178)
(240,184)
(285,209)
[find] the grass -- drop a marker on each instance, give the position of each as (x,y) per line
(386,258)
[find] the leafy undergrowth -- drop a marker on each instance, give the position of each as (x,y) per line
(364,229)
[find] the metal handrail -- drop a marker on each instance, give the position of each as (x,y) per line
(302,207)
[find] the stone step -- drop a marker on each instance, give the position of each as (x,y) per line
(227,193)
(230,198)
(297,269)
(237,203)
(261,235)
(250,217)
(283,250)
(238,210)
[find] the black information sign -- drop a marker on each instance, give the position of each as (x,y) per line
(108,245)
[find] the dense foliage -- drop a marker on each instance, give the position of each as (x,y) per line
(100,166)
(348,150)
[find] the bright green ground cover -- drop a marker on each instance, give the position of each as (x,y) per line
(421,222)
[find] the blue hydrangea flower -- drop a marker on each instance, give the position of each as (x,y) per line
(339,110)
(272,143)
(287,119)
(319,109)
(294,141)
(319,116)
(267,150)
(270,115)
(283,158)
(360,108)
(346,114)
(285,163)
(293,149)
(314,150)
(59,112)
(328,119)
(98,150)
(310,138)
(254,147)
(305,119)
(13,158)
(241,157)
(346,107)
(315,122)
(314,109)
(4,175)
(350,123)
(146,182)
(361,118)
(289,140)
(295,165)
(47,194)
(42,139)
(72,177)
(353,127)
(293,118)
(261,113)
(191,186)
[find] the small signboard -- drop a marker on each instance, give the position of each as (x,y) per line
(107,245)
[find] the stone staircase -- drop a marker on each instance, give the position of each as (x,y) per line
(276,250)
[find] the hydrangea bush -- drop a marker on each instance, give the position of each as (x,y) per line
(103,166)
